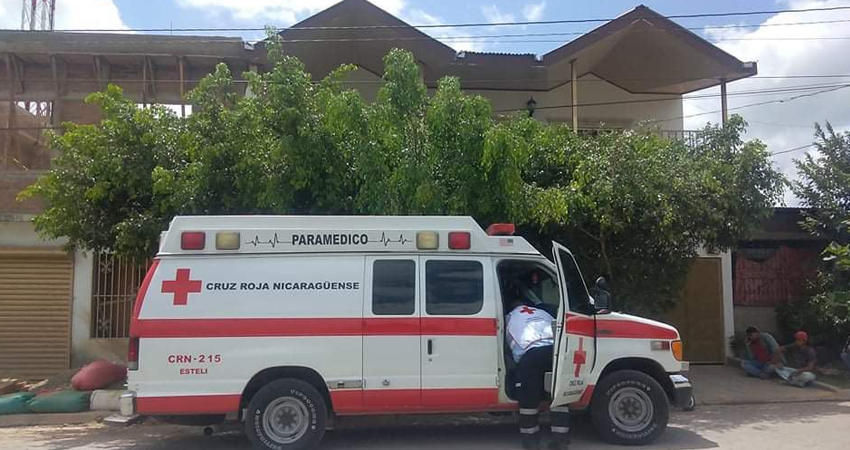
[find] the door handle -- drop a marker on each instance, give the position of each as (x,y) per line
(430,346)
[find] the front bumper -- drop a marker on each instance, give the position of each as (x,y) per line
(682,390)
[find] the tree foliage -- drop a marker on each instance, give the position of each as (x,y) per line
(824,188)
(632,205)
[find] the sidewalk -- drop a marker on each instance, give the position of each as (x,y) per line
(727,385)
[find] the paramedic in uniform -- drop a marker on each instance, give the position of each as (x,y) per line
(531,340)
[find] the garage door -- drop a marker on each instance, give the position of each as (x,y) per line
(35,312)
(699,314)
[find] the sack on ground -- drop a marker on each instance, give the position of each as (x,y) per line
(98,375)
(15,403)
(102,400)
(61,402)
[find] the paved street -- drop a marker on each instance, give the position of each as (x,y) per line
(821,425)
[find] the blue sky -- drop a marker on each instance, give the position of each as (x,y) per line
(781,126)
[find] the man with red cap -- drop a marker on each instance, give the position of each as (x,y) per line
(802,361)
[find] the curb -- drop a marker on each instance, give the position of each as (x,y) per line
(774,401)
(55,419)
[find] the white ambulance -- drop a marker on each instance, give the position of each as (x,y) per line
(287,322)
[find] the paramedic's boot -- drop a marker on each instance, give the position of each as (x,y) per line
(559,417)
(531,441)
(529,428)
(560,441)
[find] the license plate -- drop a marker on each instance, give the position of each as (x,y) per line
(678,379)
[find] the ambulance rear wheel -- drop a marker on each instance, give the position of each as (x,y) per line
(629,408)
(286,414)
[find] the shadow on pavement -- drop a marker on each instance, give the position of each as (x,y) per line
(726,418)
(686,431)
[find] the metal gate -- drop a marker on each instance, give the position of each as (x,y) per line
(115,282)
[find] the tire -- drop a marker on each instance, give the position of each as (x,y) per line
(301,416)
(629,408)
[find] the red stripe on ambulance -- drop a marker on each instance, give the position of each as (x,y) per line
(616,328)
(213,328)
(415,400)
(206,404)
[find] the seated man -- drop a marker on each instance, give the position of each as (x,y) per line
(761,353)
(530,336)
(803,361)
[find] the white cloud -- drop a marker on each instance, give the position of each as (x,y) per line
(79,14)
(493,15)
(787,125)
(533,11)
(285,12)
(457,36)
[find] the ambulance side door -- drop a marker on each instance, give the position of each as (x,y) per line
(459,334)
(575,332)
(391,339)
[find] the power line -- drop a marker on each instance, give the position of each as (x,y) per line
(795,149)
(822,90)
(479,39)
(466,81)
(474,24)
(752,105)
(754,92)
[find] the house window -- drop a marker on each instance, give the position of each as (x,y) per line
(454,287)
(115,282)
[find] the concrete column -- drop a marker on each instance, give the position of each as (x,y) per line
(724,107)
(181,65)
(574,103)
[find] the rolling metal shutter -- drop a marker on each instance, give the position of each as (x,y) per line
(35,312)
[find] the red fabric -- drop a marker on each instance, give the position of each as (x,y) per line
(801,335)
(98,375)
(760,352)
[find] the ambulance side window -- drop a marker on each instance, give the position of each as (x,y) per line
(454,287)
(393,287)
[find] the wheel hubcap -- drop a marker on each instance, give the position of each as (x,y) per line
(631,409)
(286,420)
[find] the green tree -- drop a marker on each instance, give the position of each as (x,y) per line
(824,188)
(632,205)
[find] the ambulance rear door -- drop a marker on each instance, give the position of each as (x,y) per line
(574,334)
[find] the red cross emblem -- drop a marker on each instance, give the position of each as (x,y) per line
(181,287)
(579,356)
(527,310)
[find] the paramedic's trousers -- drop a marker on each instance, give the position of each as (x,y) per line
(532,367)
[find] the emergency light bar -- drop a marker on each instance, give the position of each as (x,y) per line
(193,240)
(459,240)
(427,240)
(501,229)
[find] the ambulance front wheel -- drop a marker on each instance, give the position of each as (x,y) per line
(629,408)
(286,414)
